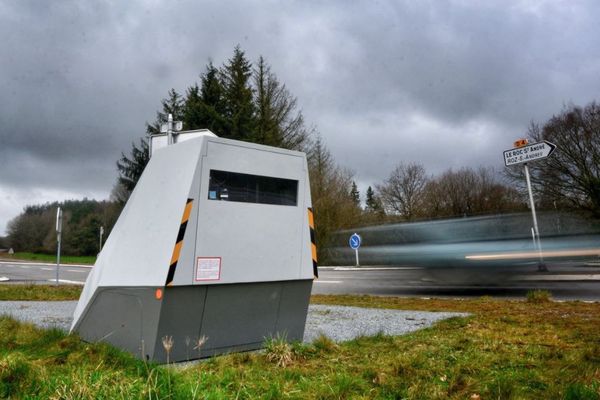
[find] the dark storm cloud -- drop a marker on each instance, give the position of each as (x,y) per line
(447,84)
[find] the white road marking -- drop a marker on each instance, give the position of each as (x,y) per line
(3,279)
(534,254)
(365,268)
(67,281)
(559,277)
(593,264)
(16,263)
(374,268)
(77,270)
(48,269)
(320,281)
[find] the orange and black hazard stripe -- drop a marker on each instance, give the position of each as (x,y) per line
(179,242)
(313,241)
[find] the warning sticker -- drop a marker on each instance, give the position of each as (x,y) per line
(208,268)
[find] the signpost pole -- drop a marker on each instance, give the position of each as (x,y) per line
(100,243)
(354,243)
(522,153)
(58,240)
(542,265)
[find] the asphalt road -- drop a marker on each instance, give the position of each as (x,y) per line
(566,281)
(42,273)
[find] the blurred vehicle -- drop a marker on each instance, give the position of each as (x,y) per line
(498,241)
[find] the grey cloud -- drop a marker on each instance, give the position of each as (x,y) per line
(461,62)
(383,81)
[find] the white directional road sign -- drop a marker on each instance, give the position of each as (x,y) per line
(531,152)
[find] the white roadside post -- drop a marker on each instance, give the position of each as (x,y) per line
(523,153)
(58,239)
(354,242)
(100,244)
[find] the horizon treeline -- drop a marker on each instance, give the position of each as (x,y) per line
(34,230)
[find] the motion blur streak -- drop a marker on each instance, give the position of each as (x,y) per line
(475,243)
(546,254)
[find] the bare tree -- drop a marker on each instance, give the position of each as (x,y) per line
(330,185)
(402,192)
(571,175)
(468,192)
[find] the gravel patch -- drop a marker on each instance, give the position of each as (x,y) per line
(339,323)
(45,314)
(342,323)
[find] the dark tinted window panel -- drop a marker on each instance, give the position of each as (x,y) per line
(246,188)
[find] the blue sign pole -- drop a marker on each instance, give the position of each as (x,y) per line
(354,242)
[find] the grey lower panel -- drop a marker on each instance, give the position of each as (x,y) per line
(233,317)
(180,319)
(126,317)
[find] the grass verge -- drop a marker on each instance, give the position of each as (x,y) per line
(39,292)
(49,258)
(506,349)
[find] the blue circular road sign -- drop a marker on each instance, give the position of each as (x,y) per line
(355,241)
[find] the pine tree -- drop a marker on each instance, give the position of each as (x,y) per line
(237,95)
(204,106)
(173,104)
(371,202)
(355,195)
(131,168)
(278,123)
(233,101)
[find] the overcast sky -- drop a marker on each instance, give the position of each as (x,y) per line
(443,83)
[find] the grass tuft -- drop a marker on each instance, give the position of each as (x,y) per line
(15,374)
(578,391)
(538,296)
(502,387)
(279,351)
(324,344)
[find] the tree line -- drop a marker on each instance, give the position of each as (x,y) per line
(34,230)
(246,101)
(409,193)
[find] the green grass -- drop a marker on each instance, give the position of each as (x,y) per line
(49,258)
(506,349)
(39,292)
